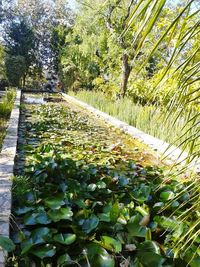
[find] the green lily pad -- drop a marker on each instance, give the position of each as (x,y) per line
(90,224)
(60,214)
(91,187)
(26,245)
(114,212)
(65,239)
(55,202)
(141,193)
(149,254)
(99,257)
(39,234)
(134,227)
(111,244)
(101,185)
(23,210)
(167,195)
(36,218)
(6,243)
(64,259)
(44,251)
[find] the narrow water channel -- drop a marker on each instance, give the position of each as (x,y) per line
(80,186)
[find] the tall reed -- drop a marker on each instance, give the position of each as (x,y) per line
(150,119)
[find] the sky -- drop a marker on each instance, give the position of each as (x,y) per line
(72,4)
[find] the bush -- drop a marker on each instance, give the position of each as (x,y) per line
(3,84)
(7,104)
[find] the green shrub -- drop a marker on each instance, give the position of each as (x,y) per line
(7,103)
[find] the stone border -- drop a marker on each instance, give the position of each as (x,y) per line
(7,157)
(166,151)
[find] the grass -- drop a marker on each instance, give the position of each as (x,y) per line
(6,106)
(150,119)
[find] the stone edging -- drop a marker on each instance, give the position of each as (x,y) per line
(7,157)
(166,150)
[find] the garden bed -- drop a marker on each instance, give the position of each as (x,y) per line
(85,194)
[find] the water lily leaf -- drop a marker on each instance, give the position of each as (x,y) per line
(99,257)
(165,196)
(65,239)
(39,234)
(123,181)
(6,243)
(104,217)
(134,227)
(175,204)
(80,203)
(141,193)
(60,214)
(91,187)
(23,210)
(101,185)
(90,224)
(149,254)
(19,236)
(42,218)
(26,245)
(158,205)
(29,219)
(92,171)
(149,246)
(111,244)
(64,259)
(36,218)
(150,259)
(44,251)
(114,212)
(30,197)
(55,202)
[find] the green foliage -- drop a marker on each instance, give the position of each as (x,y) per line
(6,106)
(149,118)
(6,243)
(20,43)
(13,72)
(90,203)
(2,65)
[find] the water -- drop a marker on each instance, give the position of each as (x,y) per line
(34,100)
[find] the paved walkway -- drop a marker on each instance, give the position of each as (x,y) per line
(7,157)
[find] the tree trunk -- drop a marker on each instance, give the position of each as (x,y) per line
(24,80)
(126,70)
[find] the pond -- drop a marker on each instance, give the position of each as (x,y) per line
(85,194)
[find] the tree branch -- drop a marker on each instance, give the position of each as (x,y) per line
(132,2)
(108,17)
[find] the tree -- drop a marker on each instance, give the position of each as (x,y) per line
(20,42)
(101,25)
(43,16)
(2,59)
(15,73)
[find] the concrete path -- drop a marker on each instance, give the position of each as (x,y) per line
(7,157)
